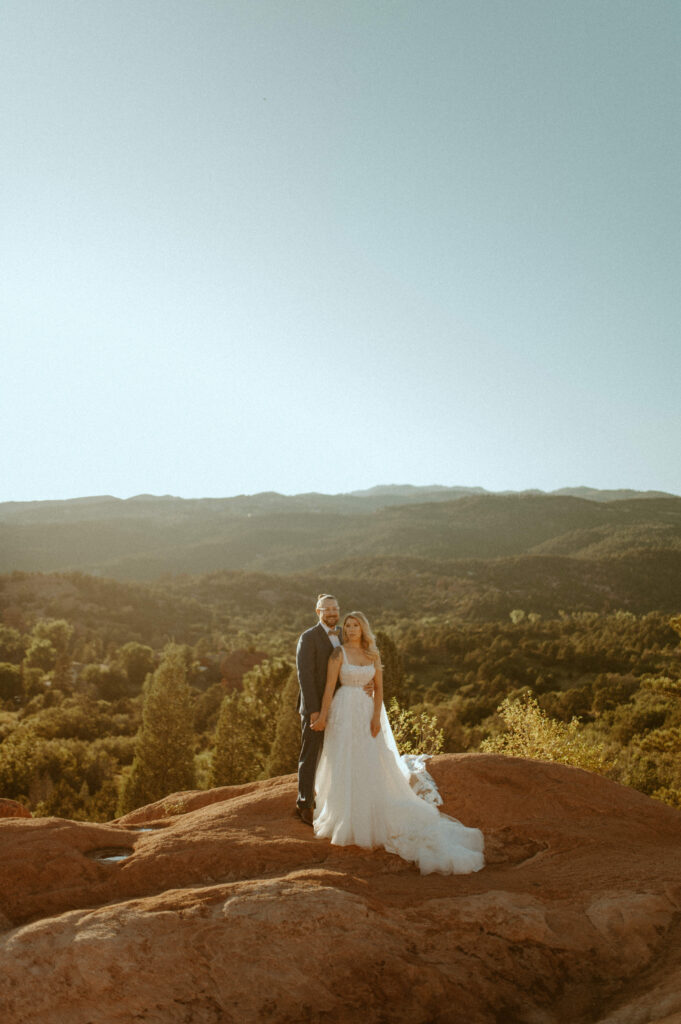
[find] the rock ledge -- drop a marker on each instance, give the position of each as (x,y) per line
(229,909)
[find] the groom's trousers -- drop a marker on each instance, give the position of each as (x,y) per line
(310,749)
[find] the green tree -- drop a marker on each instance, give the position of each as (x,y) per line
(106,681)
(18,761)
(58,632)
(41,654)
(247,724)
(283,758)
(261,698)
(164,753)
(207,708)
(12,645)
(235,756)
(11,682)
(394,683)
(137,661)
(49,648)
(33,681)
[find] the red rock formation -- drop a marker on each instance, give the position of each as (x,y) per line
(235,665)
(13,809)
(233,911)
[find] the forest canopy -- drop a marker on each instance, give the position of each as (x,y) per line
(93,671)
(545,625)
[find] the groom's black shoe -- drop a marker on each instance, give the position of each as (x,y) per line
(305,814)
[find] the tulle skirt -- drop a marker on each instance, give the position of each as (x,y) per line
(364,797)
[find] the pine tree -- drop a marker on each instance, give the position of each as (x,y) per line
(234,759)
(285,749)
(394,683)
(261,699)
(164,753)
(247,725)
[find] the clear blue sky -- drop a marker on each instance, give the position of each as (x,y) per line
(298,245)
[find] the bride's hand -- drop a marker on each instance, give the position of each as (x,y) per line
(375,725)
(318,725)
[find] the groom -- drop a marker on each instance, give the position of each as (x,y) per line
(312,655)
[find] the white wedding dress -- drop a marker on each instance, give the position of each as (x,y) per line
(364,796)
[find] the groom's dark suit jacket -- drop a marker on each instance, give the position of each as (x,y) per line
(312,657)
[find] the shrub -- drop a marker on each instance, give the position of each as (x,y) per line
(531,733)
(415,732)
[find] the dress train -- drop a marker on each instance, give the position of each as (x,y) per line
(364,796)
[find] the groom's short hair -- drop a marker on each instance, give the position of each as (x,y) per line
(322,598)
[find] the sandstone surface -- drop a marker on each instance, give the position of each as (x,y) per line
(221,906)
(13,809)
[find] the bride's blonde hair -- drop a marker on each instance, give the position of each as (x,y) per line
(368,640)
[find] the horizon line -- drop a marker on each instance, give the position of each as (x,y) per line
(375,490)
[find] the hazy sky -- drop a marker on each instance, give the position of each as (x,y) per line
(290,245)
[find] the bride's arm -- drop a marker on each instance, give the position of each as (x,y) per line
(332,671)
(378,701)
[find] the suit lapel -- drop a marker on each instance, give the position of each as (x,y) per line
(325,635)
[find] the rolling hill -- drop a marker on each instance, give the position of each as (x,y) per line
(146,537)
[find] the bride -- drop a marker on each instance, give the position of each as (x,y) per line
(363,792)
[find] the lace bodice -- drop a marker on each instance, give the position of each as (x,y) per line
(355,675)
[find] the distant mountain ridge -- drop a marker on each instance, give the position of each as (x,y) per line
(244,504)
(146,537)
(443,493)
